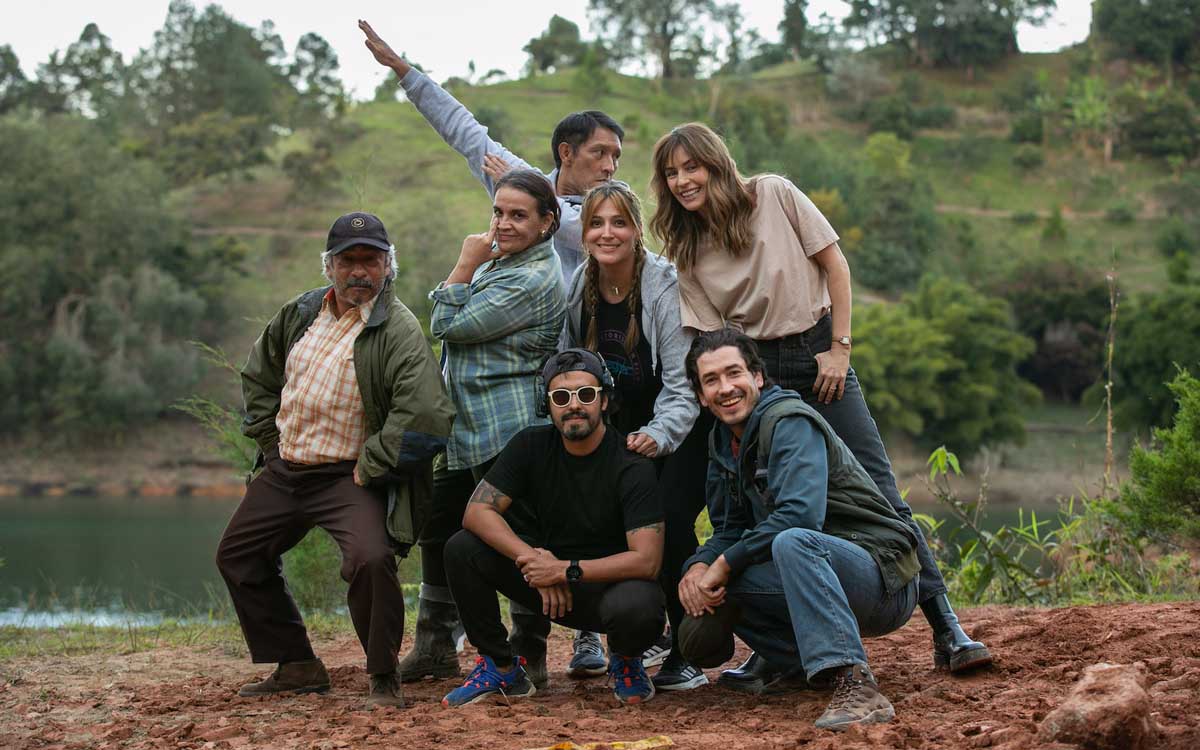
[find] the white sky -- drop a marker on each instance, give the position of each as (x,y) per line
(442,36)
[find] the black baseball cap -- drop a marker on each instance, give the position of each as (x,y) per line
(573,360)
(357,228)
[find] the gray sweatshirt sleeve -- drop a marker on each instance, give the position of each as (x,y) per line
(456,125)
(675,408)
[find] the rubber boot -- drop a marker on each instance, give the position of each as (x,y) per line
(433,653)
(953,649)
(528,639)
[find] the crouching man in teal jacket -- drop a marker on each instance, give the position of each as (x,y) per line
(806,556)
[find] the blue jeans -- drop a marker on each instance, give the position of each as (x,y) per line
(791,363)
(808,608)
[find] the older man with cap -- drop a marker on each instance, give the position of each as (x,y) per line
(567,522)
(344,398)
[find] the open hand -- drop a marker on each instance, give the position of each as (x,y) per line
(832,367)
(556,600)
(495,166)
(384,54)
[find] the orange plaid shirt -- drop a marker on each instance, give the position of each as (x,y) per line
(320,417)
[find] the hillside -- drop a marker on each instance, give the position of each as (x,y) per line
(388,161)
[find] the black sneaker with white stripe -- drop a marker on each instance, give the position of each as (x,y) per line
(676,674)
(657,653)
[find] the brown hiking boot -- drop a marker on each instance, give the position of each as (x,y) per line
(293,677)
(385,691)
(856,700)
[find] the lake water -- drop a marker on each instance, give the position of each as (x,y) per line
(114,560)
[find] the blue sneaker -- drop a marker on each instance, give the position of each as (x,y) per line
(486,682)
(588,659)
(631,684)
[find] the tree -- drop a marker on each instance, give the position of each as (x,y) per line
(1091,115)
(1159,332)
(314,73)
(558,46)
(660,29)
(961,33)
(1165,32)
(88,79)
(100,289)
(794,28)
(1163,496)
(984,396)
(14,85)
(1158,122)
(1063,308)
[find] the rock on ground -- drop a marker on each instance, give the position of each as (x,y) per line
(1108,709)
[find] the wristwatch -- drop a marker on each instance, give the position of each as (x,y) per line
(844,340)
(574,572)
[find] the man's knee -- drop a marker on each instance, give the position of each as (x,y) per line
(797,541)
(460,548)
(707,641)
(372,557)
(638,606)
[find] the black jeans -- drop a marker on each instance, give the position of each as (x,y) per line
(681,481)
(452,490)
(629,612)
(791,363)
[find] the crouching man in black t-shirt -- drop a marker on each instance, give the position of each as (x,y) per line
(568,522)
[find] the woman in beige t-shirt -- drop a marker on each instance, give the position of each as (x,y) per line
(756,254)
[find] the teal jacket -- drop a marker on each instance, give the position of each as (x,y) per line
(755,496)
(407,411)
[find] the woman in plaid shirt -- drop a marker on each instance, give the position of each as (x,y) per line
(498,315)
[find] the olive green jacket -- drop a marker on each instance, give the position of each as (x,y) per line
(407,411)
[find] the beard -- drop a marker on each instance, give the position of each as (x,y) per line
(576,430)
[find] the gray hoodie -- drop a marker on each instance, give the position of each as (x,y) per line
(675,409)
(466,135)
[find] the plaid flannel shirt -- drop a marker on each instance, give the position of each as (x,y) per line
(321,417)
(495,333)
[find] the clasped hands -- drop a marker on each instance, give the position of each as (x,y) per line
(546,573)
(703,587)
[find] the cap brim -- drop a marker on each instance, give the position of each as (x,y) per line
(347,244)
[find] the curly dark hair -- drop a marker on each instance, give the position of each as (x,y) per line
(710,341)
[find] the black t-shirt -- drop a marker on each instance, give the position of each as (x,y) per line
(634,375)
(578,507)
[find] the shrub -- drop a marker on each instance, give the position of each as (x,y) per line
(1055,229)
(1121,213)
(891,114)
(498,121)
(1174,237)
(1159,123)
(1023,217)
(1028,157)
(1163,495)
(1027,128)
(935,116)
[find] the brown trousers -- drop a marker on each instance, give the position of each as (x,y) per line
(281,505)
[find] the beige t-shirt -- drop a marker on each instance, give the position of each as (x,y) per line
(774,290)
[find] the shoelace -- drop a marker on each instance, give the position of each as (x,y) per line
(475,679)
(843,691)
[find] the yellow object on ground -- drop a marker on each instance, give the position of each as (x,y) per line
(651,743)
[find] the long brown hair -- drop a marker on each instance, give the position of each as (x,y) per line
(727,209)
(628,204)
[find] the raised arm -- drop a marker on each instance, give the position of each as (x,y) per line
(452,121)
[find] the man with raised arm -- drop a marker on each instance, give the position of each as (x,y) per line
(586,146)
(567,522)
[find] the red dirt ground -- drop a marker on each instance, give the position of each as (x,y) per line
(181,698)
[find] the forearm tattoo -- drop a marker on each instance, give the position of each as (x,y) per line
(655,527)
(486,494)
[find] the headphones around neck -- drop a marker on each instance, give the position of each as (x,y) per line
(541,382)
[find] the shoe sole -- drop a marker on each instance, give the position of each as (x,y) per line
(655,660)
(878,716)
(495,696)
(695,682)
(293,691)
(635,700)
(580,673)
(970,659)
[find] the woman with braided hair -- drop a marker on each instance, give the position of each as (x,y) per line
(623,303)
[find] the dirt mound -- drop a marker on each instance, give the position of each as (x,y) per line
(178,698)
